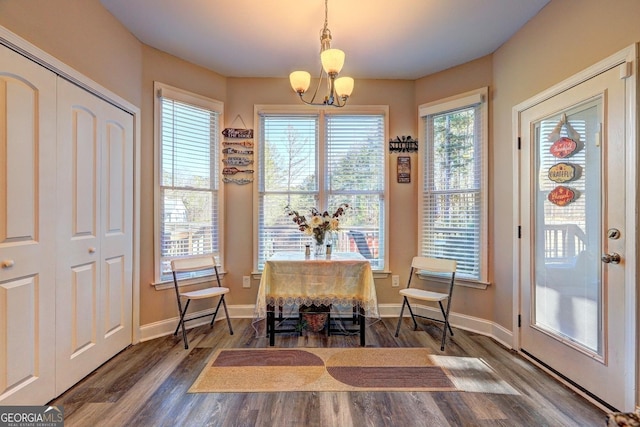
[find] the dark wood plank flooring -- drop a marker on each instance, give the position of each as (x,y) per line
(146,385)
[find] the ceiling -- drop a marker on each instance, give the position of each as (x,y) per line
(382,39)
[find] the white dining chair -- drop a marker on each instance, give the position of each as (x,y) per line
(436,266)
(189,265)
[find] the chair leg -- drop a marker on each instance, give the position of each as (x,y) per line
(446,324)
(404,301)
(226,313)
(215,313)
(444,335)
(446,317)
(413,317)
(184,330)
(180,311)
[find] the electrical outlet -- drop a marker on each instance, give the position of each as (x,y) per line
(246,281)
(395,281)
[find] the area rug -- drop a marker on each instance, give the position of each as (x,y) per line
(322,369)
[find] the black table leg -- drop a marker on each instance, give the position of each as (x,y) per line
(271,325)
(362,340)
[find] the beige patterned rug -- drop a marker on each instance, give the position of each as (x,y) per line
(323,369)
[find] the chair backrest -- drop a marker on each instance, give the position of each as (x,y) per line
(361,244)
(188,265)
(435,265)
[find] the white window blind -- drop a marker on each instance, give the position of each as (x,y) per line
(288,176)
(189,181)
(321,160)
(453,206)
(356,175)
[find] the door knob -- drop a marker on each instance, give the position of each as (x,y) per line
(612,258)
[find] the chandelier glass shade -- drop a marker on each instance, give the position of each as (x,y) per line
(339,89)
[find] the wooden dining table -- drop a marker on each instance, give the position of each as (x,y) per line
(342,281)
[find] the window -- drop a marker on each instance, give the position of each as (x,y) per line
(309,158)
(453,191)
(188,197)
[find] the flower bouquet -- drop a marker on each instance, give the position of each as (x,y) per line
(318,224)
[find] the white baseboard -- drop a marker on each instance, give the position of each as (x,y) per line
(468,323)
(462,321)
(168,326)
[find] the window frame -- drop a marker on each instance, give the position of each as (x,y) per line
(321,159)
(161,90)
(458,102)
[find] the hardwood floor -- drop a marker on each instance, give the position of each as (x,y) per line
(146,385)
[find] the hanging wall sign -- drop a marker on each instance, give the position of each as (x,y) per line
(237,161)
(561,196)
(563,172)
(247,143)
(238,133)
(404,169)
(230,150)
(234,170)
(563,147)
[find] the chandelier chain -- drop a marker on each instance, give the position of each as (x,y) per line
(326,14)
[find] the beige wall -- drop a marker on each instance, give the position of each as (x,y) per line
(159,66)
(472,75)
(83,35)
(566,37)
(243,94)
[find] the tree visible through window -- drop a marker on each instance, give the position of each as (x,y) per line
(453,206)
(322,160)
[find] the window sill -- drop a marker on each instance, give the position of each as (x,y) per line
(160,286)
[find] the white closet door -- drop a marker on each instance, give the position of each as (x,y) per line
(27,230)
(94,253)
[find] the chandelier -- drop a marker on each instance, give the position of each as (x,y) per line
(332,61)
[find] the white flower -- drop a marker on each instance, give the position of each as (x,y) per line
(316,221)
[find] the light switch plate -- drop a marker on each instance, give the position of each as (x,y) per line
(246,281)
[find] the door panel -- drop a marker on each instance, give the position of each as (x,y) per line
(95,176)
(83,172)
(572,191)
(84,292)
(115,283)
(117,229)
(19,297)
(27,237)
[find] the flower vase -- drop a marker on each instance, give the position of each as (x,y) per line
(320,246)
(320,249)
